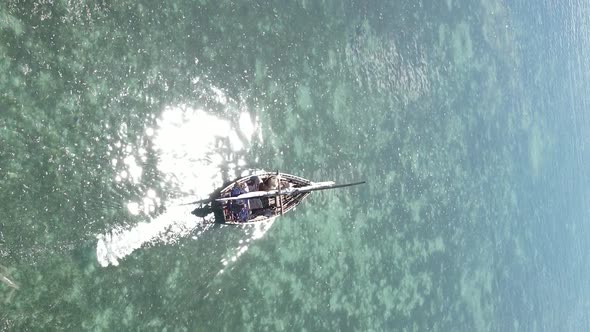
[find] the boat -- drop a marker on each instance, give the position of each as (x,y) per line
(265,196)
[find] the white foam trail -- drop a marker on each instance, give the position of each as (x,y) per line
(166,228)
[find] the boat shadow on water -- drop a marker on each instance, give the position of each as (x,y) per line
(207,209)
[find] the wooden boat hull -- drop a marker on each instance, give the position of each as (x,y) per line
(263,209)
(260,198)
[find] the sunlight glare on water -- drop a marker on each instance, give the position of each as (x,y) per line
(192,146)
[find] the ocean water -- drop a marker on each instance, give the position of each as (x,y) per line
(468,120)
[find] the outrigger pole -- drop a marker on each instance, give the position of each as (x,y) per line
(203,201)
(289,191)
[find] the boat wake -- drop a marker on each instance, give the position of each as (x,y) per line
(166,228)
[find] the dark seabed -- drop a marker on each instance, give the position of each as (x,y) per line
(467,119)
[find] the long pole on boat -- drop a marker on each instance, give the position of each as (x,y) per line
(340,186)
(203,201)
(291,191)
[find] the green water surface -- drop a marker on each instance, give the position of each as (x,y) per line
(466,119)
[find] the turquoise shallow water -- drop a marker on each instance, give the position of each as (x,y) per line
(468,121)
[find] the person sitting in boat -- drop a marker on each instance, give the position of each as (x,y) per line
(271,183)
(237,190)
(254,183)
(239,208)
(243,214)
